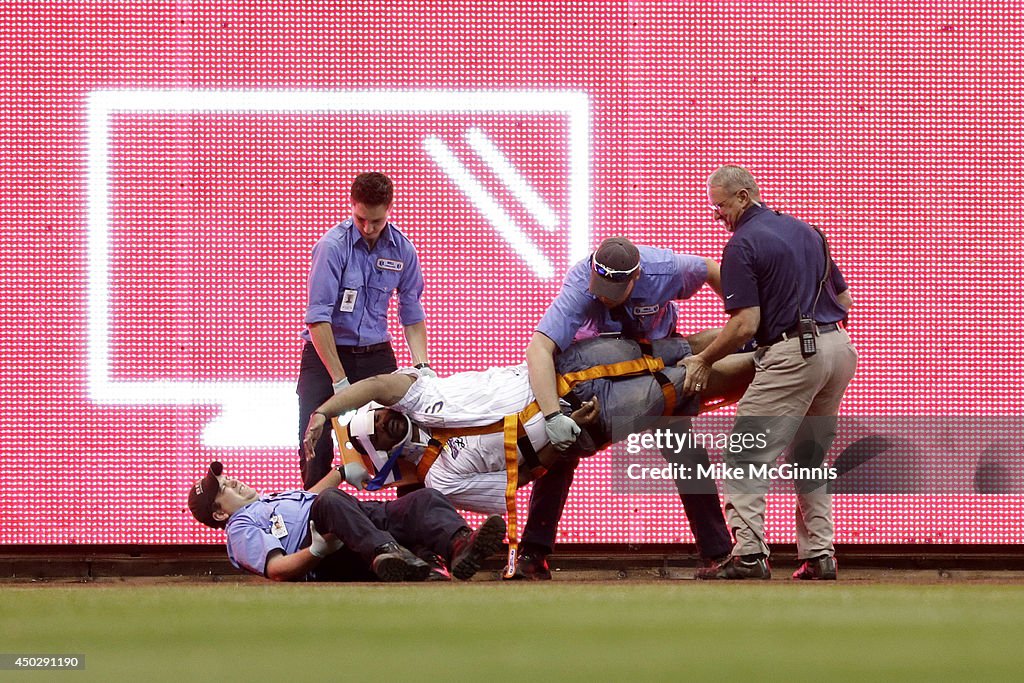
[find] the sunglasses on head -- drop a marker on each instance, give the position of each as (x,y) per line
(610,273)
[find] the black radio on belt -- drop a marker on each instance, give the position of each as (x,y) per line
(808,344)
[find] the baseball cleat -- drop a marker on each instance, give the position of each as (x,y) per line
(438,567)
(470,549)
(531,566)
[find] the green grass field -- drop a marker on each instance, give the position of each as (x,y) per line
(619,631)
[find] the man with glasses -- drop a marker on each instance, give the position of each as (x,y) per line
(781,288)
(624,290)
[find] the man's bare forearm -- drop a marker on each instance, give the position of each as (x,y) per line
(416,338)
(281,567)
(384,389)
(540,360)
(737,332)
(322,338)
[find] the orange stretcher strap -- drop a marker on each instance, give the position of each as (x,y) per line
(636,366)
(430,454)
(439,437)
(668,390)
(527,413)
(512,426)
(565,384)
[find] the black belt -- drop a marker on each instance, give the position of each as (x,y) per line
(795,332)
(365,349)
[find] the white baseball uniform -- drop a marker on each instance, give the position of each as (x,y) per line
(470,470)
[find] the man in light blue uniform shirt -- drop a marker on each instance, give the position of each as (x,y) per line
(325,534)
(619,289)
(357,266)
(648,313)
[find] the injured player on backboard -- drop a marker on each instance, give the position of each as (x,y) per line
(454,433)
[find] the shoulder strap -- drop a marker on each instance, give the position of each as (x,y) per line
(828,270)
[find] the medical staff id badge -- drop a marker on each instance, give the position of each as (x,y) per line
(348,301)
(277,527)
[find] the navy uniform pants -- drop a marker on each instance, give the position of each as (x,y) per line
(423,519)
(703,509)
(637,400)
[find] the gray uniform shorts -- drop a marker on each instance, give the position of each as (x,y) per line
(627,403)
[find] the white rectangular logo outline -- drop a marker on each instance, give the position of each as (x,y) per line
(103,103)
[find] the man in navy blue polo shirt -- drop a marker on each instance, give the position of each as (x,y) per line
(629,291)
(776,270)
(357,266)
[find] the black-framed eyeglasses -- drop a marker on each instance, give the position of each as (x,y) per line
(610,273)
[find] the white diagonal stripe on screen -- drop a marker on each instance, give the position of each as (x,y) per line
(483,201)
(522,190)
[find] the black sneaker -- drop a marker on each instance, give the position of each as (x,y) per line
(738,567)
(470,549)
(531,566)
(820,568)
(392,562)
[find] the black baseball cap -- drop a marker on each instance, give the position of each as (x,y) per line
(202,497)
(612,267)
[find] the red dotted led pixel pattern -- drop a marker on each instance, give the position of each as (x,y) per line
(896,130)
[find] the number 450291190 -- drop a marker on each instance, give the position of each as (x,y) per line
(55,662)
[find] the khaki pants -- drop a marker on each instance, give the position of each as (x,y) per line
(792,401)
